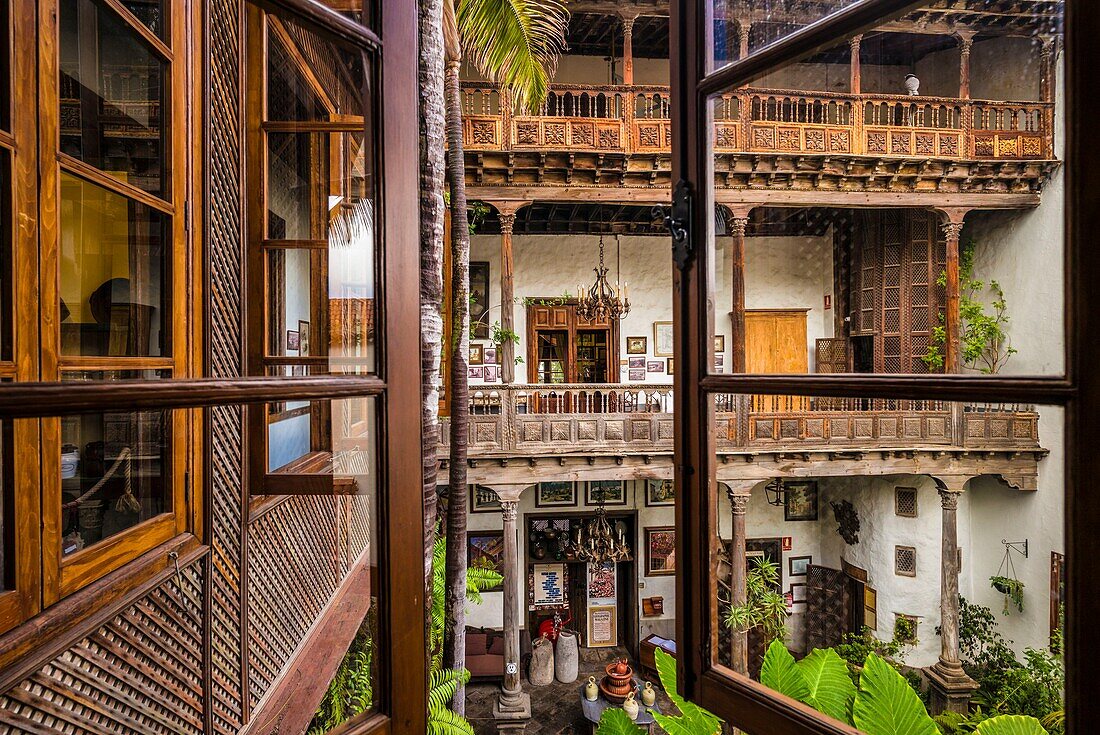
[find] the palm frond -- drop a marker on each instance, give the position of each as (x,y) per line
(515,43)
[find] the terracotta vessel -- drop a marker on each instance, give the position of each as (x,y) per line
(618,681)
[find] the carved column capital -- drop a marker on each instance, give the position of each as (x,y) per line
(508,510)
(628,24)
(966,43)
(853,43)
(507,222)
(738,501)
(738,226)
(1046,50)
(949,499)
(953,231)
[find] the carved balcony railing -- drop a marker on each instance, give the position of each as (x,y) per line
(532,420)
(635,120)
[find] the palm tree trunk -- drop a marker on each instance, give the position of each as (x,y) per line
(432,212)
(454,646)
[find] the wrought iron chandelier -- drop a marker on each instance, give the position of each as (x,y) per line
(596,542)
(602,302)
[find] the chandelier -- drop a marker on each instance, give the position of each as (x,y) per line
(596,542)
(602,302)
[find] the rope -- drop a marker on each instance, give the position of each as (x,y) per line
(127,501)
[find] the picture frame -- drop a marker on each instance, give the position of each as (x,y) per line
(555,495)
(719,362)
(477,354)
(549,585)
(636,363)
(719,343)
(477,372)
(479,299)
(660,493)
(669,365)
(491,355)
(602,581)
(660,551)
(603,626)
(492,373)
(303,338)
(798,593)
(483,500)
(636,345)
(662,339)
(605,492)
(655,366)
(798,565)
(800,500)
(293,340)
(634,374)
(486,548)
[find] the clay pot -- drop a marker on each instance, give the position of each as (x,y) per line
(648,695)
(541,671)
(630,706)
(618,681)
(591,691)
(566,657)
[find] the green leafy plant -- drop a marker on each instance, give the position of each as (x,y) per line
(983,342)
(765,609)
(1012,589)
(351,690)
(692,720)
(1010,725)
(442,684)
(820,680)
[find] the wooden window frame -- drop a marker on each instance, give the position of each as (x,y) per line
(742,702)
(573,325)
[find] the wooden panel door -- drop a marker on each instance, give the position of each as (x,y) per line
(775,342)
(827,607)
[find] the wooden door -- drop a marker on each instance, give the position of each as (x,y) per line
(775,342)
(827,607)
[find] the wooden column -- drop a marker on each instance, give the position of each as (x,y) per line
(856,82)
(738,223)
(951,687)
(1047,69)
(513,703)
(744,27)
(507,214)
(738,496)
(628,50)
(952,230)
(966,43)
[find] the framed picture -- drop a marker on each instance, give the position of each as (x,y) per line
(477,371)
(719,344)
(477,354)
(662,339)
(797,565)
(549,587)
(636,345)
(635,374)
(479,300)
(303,338)
(492,373)
(491,355)
(601,581)
(659,492)
(605,492)
(800,500)
(293,340)
(555,495)
(660,551)
(798,593)
(486,549)
(669,365)
(636,363)
(719,362)
(483,500)
(603,628)
(655,366)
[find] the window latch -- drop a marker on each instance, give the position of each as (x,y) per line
(678,221)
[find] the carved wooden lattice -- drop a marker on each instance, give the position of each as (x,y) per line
(826,607)
(832,355)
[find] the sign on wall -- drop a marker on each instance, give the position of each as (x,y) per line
(549,585)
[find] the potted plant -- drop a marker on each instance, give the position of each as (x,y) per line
(1011,588)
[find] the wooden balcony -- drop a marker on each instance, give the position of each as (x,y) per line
(635,120)
(635,419)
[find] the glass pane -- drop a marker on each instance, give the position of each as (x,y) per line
(114,278)
(7,231)
(323,438)
(112,90)
(309,78)
(5,67)
(115,473)
(837,546)
(863,219)
(150,13)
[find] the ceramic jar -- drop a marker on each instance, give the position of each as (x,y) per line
(566,657)
(591,691)
(648,695)
(541,672)
(630,706)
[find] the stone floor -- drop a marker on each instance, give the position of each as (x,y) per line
(555,709)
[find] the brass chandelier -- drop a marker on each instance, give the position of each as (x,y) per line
(595,542)
(602,302)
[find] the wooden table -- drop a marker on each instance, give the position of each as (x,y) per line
(593,711)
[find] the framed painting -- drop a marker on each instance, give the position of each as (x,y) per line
(670,365)
(636,345)
(800,500)
(491,355)
(477,354)
(797,565)
(636,363)
(483,500)
(662,339)
(659,493)
(293,340)
(655,366)
(492,373)
(605,492)
(601,582)
(303,338)
(635,374)
(479,300)
(660,551)
(798,593)
(555,495)
(486,549)
(719,343)
(477,372)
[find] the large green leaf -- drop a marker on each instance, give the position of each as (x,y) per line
(887,705)
(1011,725)
(781,673)
(830,688)
(666,670)
(682,725)
(615,721)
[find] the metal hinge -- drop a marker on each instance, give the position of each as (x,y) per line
(678,222)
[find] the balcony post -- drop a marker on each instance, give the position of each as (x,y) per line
(952,230)
(738,494)
(744,27)
(1047,69)
(507,213)
(628,49)
(966,43)
(513,703)
(856,82)
(738,223)
(950,686)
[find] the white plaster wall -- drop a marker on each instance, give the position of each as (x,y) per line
(991,78)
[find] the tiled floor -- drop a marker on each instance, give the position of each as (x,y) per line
(555,709)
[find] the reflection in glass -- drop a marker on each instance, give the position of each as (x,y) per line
(7,226)
(310,78)
(114,474)
(114,274)
(150,13)
(112,95)
(334,438)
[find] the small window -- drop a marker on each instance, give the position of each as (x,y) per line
(905,629)
(905,561)
(905,502)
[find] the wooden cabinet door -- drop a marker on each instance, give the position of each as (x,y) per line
(775,342)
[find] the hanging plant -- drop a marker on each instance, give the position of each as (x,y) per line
(1012,589)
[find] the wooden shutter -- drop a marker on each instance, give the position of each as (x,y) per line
(826,607)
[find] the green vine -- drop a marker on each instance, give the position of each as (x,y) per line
(984,343)
(1012,589)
